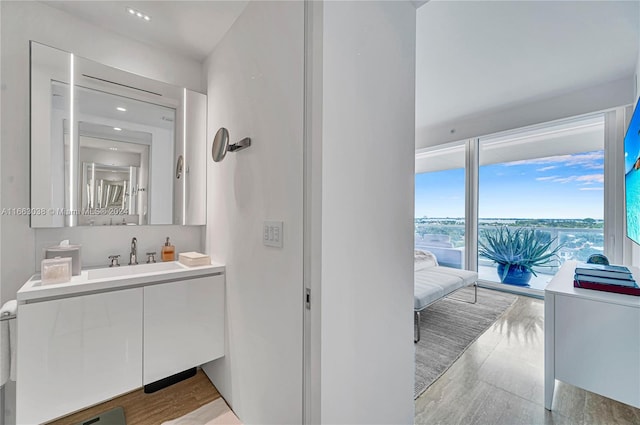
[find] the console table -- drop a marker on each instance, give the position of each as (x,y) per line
(591,339)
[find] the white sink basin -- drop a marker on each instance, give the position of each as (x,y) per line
(132,270)
(114,278)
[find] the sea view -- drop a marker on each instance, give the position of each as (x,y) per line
(580,237)
(543,193)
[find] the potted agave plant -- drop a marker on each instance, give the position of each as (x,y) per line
(517,251)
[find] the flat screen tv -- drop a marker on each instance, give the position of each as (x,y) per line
(632,175)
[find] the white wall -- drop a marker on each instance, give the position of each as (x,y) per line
(101,241)
(597,98)
(255,89)
(24,21)
(366,357)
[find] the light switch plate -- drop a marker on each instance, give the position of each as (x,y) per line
(272,233)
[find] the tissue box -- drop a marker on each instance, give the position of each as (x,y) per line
(194,259)
(71,251)
(55,270)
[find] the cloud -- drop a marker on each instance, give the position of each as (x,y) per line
(591,188)
(587,159)
(550,167)
(565,179)
(594,166)
(591,178)
(585,180)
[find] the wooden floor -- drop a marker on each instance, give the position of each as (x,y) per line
(500,380)
(153,409)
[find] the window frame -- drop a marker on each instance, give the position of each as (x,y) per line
(617,247)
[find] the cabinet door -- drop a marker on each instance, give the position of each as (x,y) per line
(183,325)
(597,347)
(75,352)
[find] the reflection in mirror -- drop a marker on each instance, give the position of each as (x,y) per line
(115,175)
(118,132)
(104,144)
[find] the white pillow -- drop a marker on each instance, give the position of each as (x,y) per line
(424,259)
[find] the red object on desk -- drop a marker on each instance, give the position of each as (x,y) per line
(628,290)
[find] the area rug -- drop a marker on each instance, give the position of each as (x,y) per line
(449,327)
(215,413)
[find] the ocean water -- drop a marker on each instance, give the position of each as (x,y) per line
(632,182)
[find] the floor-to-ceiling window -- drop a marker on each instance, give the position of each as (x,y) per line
(547,181)
(440,203)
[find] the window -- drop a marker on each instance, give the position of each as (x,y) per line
(547,178)
(440,204)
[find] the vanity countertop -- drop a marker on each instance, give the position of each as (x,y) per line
(108,279)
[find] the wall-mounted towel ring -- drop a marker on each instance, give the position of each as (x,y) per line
(221,145)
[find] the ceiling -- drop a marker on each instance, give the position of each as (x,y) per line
(557,140)
(190,28)
(474,56)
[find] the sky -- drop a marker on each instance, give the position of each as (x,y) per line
(564,186)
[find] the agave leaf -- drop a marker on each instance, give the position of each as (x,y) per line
(523,247)
(505,272)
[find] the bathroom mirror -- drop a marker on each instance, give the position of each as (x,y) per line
(220,144)
(105,145)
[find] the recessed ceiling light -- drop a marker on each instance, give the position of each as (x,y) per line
(121,109)
(139,14)
(113,149)
(117,128)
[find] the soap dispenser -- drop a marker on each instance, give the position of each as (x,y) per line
(168,251)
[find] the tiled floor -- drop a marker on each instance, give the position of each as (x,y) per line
(500,380)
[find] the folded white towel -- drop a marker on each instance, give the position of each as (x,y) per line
(8,343)
(5,353)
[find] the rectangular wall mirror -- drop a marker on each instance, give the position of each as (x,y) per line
(109,147)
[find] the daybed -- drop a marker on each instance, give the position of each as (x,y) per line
(433,282)
(442,247)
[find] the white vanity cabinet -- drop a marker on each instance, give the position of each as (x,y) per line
(110,331)
(78,351)
(183,325)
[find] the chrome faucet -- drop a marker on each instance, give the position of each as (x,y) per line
(113,261)
(133,256)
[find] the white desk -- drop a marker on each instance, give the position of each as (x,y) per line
(592,339)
